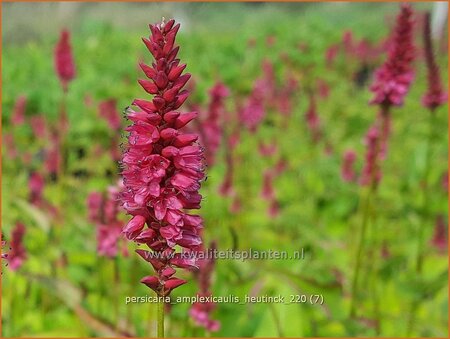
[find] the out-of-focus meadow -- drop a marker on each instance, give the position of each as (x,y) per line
(291,92)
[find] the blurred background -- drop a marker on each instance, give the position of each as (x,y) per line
(283,96)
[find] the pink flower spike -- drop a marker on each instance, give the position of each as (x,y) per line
(64,64)
(393,79)
(436,95)
(163,166)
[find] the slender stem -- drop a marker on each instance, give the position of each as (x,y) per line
(383,125)
(116,280)
(277,320)
(426,191)
(377,246)
(359,250)
(160,318)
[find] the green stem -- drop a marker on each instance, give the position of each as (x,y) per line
(359,250)
(116,280)
(377,247)
(382,122)
(426,192)
(160,319)
(277,321)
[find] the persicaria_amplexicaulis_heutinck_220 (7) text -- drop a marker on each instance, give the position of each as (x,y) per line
(163,166)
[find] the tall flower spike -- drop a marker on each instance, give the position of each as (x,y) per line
(163,166)
(64,64)
(435,95)
(393,79)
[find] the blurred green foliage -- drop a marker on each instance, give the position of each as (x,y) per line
(319,212)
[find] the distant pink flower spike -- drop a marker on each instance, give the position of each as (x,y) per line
(200,312)
(330,55)
(253,112)
(267,191)
(104,212)
(445,181)
(36,185)
(269,149)
(10,145)
(440,237)
(313,120)
(163,166)
(236,205)
(94,204)
(347,41)
(211,126)
(108,111)
(435,95)
(53,157)
(39,126)
(371,174)
(17,255)
(226,188)
(270,40)
(64,64)
(323,88)
(347,171)
(393,79)
(18,117)
(286,94)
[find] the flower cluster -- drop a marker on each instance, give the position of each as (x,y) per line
(435,95)
(163,166)
(64,64)
(394,77)
(17,254)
